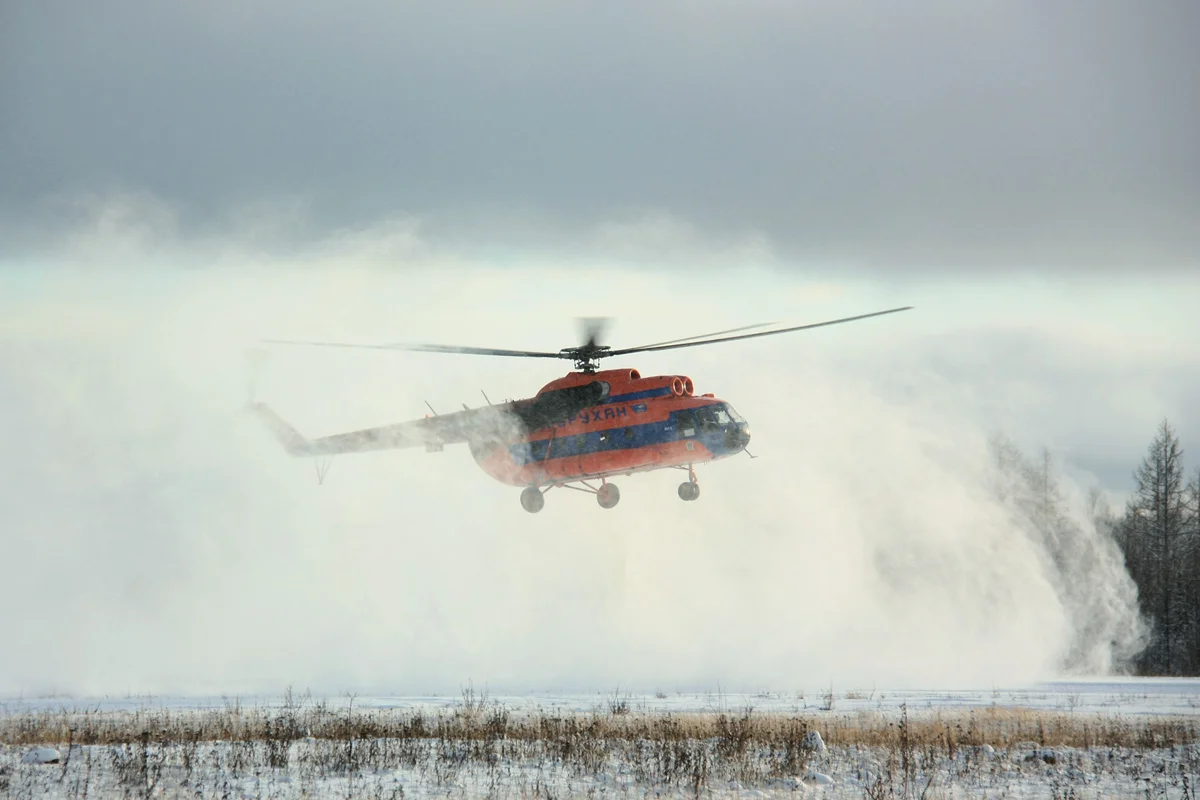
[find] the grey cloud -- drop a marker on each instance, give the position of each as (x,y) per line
(992,134)
(1049,388)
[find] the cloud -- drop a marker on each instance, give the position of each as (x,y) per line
(171,545)
(930,139)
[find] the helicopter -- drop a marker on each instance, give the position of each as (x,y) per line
(579,431)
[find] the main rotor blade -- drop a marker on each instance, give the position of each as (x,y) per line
(707,335)
(429,348)
(649,348)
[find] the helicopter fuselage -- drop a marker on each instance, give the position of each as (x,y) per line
(589,424)
(637,424)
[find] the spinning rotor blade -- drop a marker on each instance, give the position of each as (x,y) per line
(428,348)
(706,335)
(675,346)
(587,355)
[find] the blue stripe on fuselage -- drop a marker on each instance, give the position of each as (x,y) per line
(662,391)
(622,438)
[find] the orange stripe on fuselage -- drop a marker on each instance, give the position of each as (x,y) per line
(608,463)
(500,464)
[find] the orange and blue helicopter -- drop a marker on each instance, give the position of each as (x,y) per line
(578,431)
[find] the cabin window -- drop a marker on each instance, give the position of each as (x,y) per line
(687,423)
(628,434)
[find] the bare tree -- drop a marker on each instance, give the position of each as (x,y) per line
(1159,548)
(1191,572)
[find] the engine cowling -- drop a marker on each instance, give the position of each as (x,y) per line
(557,405)
(677,385)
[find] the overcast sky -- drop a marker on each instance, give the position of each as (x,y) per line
(896,136)
(905,149)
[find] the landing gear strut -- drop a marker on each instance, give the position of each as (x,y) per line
(532,499)
(689,490)
(607,495)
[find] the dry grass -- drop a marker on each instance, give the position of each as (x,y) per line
(476,721)
(686,751)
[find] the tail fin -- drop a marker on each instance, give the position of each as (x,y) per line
(291,439)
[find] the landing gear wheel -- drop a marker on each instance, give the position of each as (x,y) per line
(532,499)
(689,490)
(608,495)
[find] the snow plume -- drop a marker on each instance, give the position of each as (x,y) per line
(1080,560)
(157,539)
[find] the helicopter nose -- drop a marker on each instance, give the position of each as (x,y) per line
(738,438)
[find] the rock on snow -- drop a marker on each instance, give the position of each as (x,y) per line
(41,755)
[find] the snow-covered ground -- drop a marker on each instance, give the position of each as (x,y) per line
(1139,696)
(572,762)
(229,770)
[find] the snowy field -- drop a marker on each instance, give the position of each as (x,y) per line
(1138,696)
(1083,739)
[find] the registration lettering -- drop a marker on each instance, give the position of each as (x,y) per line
(590,415)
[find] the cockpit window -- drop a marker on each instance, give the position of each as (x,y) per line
(706,417)
(713,416)
(733,415)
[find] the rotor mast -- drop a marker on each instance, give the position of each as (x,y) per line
(586,358)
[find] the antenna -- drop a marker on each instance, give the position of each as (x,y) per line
(485,397)
(430,408)
(323,465)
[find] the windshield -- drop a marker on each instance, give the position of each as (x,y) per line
(712,416)
(733,415)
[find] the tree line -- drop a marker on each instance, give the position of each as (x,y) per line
(1159,536)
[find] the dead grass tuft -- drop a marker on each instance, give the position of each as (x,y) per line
(478,719)
(890,755)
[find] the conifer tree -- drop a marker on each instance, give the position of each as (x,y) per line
(1159,551)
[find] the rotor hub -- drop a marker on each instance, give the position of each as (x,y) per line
(587,357)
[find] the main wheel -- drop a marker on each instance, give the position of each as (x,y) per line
(689,490)
(532,499)
(608,495)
